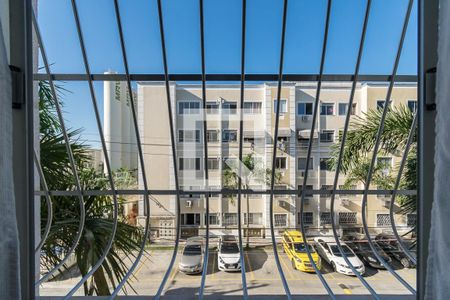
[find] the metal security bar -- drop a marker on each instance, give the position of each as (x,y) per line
(206,192)
(308,155)
(375,152)
(274,157)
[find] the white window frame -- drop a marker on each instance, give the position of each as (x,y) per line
(189,136)
(327,131)
(227,131)
(252,110)
(282,111)
(234,219)
(304,104)
(311,164)
(281,158)
(322,104)
(190,110)
(415,105)
(190,162)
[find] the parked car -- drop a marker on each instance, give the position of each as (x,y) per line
(361,248)
(191,261)
(389,244)
(295,248)
(228,258)
(328,249)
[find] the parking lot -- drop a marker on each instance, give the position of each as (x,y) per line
(261,274)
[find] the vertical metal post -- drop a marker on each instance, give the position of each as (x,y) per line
(428,37)
(21,57)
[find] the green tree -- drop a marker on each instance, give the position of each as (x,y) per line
(359,145)
(66,213)
(253,170)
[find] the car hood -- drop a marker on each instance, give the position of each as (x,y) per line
(354,260)
(230,258)
(190,260)
(304,257)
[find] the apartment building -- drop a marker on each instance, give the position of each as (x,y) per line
(222,113)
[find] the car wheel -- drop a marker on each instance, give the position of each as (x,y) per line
(293,264)
(405,262)
(333,265)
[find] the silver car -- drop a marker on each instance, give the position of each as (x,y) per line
(191,261)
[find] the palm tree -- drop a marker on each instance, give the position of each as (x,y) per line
(99,209)
(253,171)
(358,150)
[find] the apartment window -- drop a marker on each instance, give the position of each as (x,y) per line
(302,163)
(253,219)
(190,219)
(326,187)
(308,218)
(213,163)
(327,136)
(383,220)
(230,219)
(213,219)
(212,135)
(380,104)
(412,105)
(308,187)
(229,107)
(347,218)
(280,220)
(229,135)
(411,220)
(281,163)
(325,218)
(325,164)
(188,107)
(304,109)
(342,109)
(327,109)
(189,136)
(189,163)
(283,106)
(252,107)
(212,107)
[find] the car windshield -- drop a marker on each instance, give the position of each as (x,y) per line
(301,248)
(345,249)
(229,248)
(192,250)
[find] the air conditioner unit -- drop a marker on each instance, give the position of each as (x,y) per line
(305,118)
(189,203)
(387,202)
(345,202)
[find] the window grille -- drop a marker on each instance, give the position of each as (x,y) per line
(230,219)
(347,218)
(280,106)
(280,220)
(383,220)
(411,220)
(308,218)
(325,218)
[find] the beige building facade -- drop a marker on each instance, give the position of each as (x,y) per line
(222,113)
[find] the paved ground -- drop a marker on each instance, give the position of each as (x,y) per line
(261,273)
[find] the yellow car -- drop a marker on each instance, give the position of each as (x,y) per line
(295,248)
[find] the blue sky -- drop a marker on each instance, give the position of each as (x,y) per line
(304,34)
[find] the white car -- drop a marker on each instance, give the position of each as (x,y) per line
(191,261)
(329,251)
(228,257)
